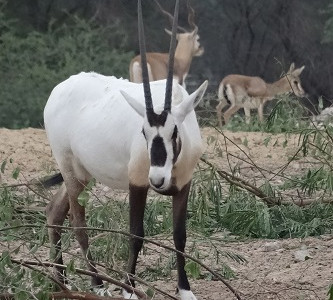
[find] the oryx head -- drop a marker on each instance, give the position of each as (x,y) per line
(162,129)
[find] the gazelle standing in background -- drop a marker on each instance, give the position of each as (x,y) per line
(188,46)
(110,129)
(253,92)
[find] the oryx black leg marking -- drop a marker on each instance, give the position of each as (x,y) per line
(77,220)
(179,232)
(56,212)
(137,202)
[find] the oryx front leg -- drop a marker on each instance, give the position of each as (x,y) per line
(137,202)
(179,236)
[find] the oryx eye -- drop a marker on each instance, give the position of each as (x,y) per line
(295,82)
(175,133)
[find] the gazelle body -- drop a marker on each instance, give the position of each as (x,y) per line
(188,47)
(253,92)
(127,136)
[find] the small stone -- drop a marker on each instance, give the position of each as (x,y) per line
(272,246)
(302,255)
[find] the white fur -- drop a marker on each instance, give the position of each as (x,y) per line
(128,295)
(92,128)
(186,295)
(102,292)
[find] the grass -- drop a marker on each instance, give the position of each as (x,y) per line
(214,207)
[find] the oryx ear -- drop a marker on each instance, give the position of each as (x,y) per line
(189,103)
(135,104)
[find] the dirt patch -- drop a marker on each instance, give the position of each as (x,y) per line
(272,271)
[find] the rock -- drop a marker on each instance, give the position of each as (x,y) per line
(302,255)
(271,246)
(326,116)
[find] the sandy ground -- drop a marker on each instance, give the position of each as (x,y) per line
(273,270)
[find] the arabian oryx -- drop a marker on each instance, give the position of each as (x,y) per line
(129,136)
(253,92)
(188,47)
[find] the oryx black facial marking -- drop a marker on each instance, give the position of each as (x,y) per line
(176,145)
(158,152)
(157,119)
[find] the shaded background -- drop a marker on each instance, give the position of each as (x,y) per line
(42,42)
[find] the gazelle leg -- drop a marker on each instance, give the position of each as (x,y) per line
(179,236)
(137,202)
(56,212)
(77,220)
(247,112)
(230,111)
(261,112)
(219,108)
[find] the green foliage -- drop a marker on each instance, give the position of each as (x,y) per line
(33,63)
(316,143)
(286,115)
(248,217)
(330,293)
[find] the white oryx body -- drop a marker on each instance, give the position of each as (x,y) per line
(125,135)
(92,128)
(253,92)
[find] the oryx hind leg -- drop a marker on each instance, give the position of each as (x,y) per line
(77,220)
(56,212)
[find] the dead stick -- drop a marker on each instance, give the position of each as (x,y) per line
(217,275)
(80,271)
(241,183)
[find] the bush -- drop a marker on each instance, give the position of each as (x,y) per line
(32,64)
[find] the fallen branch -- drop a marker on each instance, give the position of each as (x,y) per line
(216,275)
(140,294)
(66,295)
(242,184)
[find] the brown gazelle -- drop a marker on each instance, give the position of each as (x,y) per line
(253,92)
(127,136)
(188,46)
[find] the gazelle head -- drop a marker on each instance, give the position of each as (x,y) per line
(190,38)
(294,80)
(162,129)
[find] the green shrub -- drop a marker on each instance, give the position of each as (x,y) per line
(32,64)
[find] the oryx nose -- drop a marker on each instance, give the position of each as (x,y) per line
(157,182)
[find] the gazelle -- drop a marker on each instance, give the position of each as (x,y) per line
(188,46)
(128,136)
(253,92)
